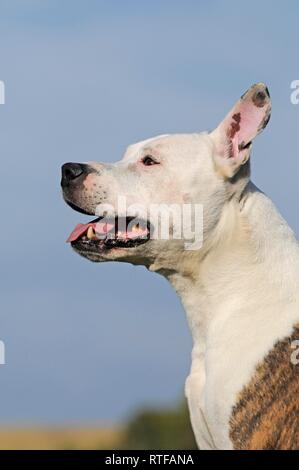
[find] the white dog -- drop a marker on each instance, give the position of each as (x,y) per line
(239,289)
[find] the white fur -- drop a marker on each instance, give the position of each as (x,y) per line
(240,291)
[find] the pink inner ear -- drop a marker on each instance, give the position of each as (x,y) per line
(251,118)
(245,123)
(241,125)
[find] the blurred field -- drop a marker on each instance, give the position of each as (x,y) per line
(60,438)
(148,429)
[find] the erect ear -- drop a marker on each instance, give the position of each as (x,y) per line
(234,135)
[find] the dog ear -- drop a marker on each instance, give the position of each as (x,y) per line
(234,135)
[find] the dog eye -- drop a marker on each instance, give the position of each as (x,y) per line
(148,161)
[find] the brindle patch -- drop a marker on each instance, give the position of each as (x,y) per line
(267,413)
(235,125)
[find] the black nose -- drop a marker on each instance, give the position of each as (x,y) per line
(71,171)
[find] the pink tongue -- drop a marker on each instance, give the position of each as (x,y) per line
(81,229)
(78,231)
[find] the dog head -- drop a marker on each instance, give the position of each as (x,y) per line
(170,171)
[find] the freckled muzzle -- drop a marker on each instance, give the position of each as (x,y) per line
(73,184)
(101,234)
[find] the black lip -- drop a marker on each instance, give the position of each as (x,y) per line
(98,246)
(77,208)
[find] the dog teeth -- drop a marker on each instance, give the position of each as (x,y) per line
(136,228)
(90,233)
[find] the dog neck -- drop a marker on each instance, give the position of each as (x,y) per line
(251,252)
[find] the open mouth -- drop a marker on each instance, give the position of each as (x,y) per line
(107,233)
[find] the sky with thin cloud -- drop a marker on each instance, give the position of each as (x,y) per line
(88,342)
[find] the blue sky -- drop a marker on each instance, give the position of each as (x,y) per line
(83,80)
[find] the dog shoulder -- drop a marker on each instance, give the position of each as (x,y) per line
(266,415)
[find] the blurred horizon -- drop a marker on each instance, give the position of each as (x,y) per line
(88,342)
